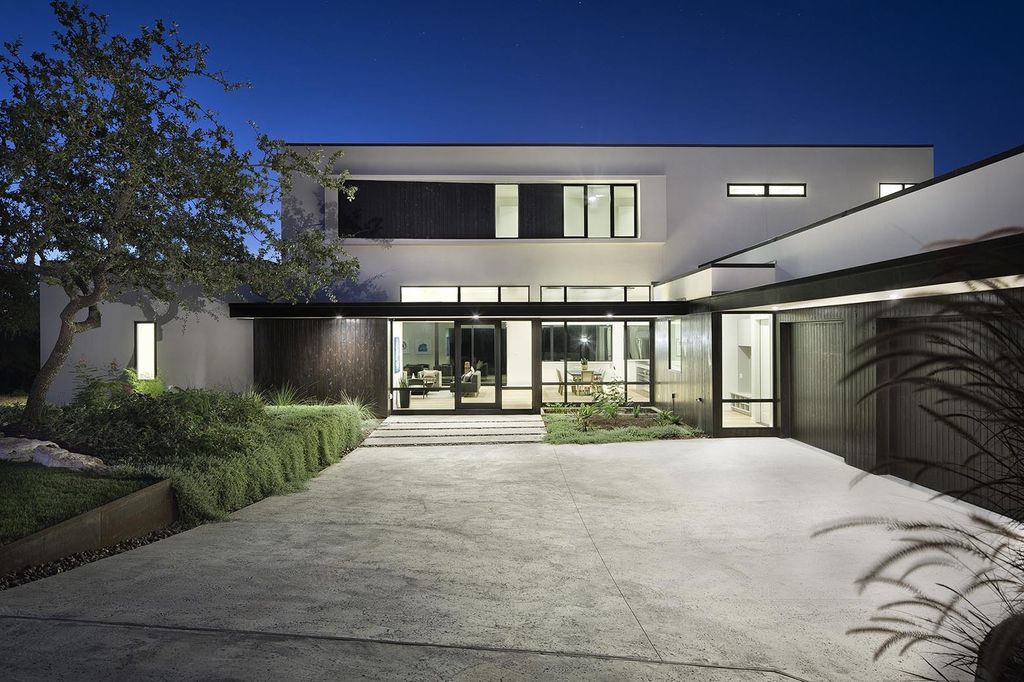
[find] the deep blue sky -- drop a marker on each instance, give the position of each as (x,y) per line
(945,73)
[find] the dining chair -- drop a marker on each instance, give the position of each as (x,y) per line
(587,381)
(561,382)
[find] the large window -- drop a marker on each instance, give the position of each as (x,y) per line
(765,189)
(748,377)
(145,350)
(581,358)
(599,211)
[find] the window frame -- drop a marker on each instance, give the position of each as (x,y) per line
(611,205)
(135,349)
(766,190)
(624,287)
(458,291)
(903,187)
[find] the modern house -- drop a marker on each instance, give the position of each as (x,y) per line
(729,283)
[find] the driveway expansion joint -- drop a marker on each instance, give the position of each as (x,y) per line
(271,634)
(601,556)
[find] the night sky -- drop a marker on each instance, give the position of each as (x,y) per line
(945,73)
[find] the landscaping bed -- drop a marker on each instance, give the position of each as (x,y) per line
(568,428)
(33,497)
(222,451)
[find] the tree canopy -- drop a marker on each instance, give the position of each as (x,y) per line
(114,178)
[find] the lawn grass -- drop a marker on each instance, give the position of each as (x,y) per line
(33,497)
(562,428)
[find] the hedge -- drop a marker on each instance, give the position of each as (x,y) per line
(297,442)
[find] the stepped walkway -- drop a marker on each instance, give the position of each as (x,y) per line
(406,430)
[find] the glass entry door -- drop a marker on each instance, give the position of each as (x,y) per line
(477,350)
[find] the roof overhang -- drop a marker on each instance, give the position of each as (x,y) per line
(976,261)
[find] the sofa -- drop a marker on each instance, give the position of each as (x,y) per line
(470,387)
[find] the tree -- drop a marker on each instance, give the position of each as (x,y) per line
(114,179)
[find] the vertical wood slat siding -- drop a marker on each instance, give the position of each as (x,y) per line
(874,432)
(322,358)
(385,209)
(849,429)
(917,435)
(817,409)
(691,385)
(541,211)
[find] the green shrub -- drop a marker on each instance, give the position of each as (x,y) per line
(284,395)
(564,428)
(222,451)
(295,442)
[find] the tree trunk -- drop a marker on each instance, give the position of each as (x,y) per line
(41,384)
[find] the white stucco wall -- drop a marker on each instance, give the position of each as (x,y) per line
(962,207)
(200,351)
(685,217)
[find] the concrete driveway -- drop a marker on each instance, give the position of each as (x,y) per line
(649,561)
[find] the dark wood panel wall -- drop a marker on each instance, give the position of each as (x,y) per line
(872,432)
(385,209)
(541,211)
(323,358)
(817,411)
(849,425)
(692,384)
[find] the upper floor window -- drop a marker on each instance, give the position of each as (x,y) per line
(599,211)
(765,189)
(887,188)
(506,211)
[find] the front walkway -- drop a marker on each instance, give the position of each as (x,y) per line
(462,429)
(674,560)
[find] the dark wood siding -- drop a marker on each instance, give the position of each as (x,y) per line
(910,433)
(323,358)
(540,211)
(817,365)
(385,209)
(692,385)
(874,432)
(849,427)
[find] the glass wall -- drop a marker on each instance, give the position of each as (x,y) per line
(581,358)
(422,366)
(517,365)
(748,377)
(425,367)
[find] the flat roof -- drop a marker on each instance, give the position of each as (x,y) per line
(603,144)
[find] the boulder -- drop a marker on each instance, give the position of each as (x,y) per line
(48,454)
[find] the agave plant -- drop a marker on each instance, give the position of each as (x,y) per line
(969,376)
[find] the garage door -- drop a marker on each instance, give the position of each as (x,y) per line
(817,364)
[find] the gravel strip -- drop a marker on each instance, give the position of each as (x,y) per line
(30,573)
